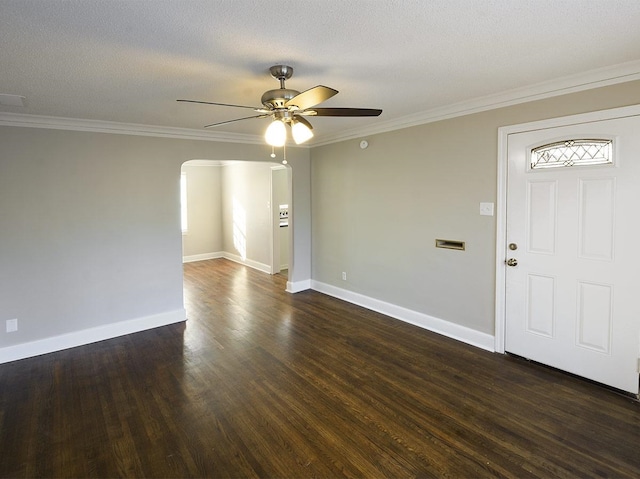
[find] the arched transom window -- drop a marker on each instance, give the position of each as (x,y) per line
(572,153)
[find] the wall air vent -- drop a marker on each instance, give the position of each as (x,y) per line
(12,100)
(450,244)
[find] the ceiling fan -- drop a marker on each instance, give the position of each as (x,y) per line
(290,107)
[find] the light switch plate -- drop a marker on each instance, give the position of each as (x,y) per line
(486,209)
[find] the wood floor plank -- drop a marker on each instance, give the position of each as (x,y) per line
(262,383)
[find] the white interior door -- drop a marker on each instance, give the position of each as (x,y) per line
(572,300)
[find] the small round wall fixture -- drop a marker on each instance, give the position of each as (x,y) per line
(364,144)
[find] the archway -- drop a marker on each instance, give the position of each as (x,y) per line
(232,212)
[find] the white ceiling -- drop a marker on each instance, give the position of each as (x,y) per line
(129,60)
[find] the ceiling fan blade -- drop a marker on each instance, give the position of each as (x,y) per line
(341,112)
(237,119)
(311,97)
(225,104)
(304,121)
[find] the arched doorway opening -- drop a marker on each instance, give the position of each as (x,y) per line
(233,210)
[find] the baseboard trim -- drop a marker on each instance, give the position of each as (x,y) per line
(88,336)
(201,257)
(446,328)
(265,268)
(297,286)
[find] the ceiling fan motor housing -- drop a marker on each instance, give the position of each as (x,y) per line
(274,99)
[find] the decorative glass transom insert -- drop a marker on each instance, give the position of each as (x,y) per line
(572,153)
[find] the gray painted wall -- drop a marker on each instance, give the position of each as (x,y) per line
(246,211)
(204,211)
(90,226)
(280,186)
(377,212)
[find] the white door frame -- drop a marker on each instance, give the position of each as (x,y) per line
(501,207)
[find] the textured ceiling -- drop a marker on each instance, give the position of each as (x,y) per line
(129,60)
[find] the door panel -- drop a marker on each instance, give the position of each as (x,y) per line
(540,304)
(541,216)
(596,200)
(571,300)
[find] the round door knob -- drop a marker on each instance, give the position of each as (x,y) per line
(512,262)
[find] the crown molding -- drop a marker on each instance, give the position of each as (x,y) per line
(601,77)
(97,126)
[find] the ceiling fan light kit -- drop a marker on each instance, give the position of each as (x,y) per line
(276,134)
(300,132)
(285,106)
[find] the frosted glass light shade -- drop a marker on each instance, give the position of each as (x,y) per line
(276,134)
(301,132)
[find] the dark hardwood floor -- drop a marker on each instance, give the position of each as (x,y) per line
(261,383)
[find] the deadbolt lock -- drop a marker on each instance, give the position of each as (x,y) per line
(513,246)
(512,262)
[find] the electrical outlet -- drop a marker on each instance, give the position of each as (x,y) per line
(12,325)
(344,276)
